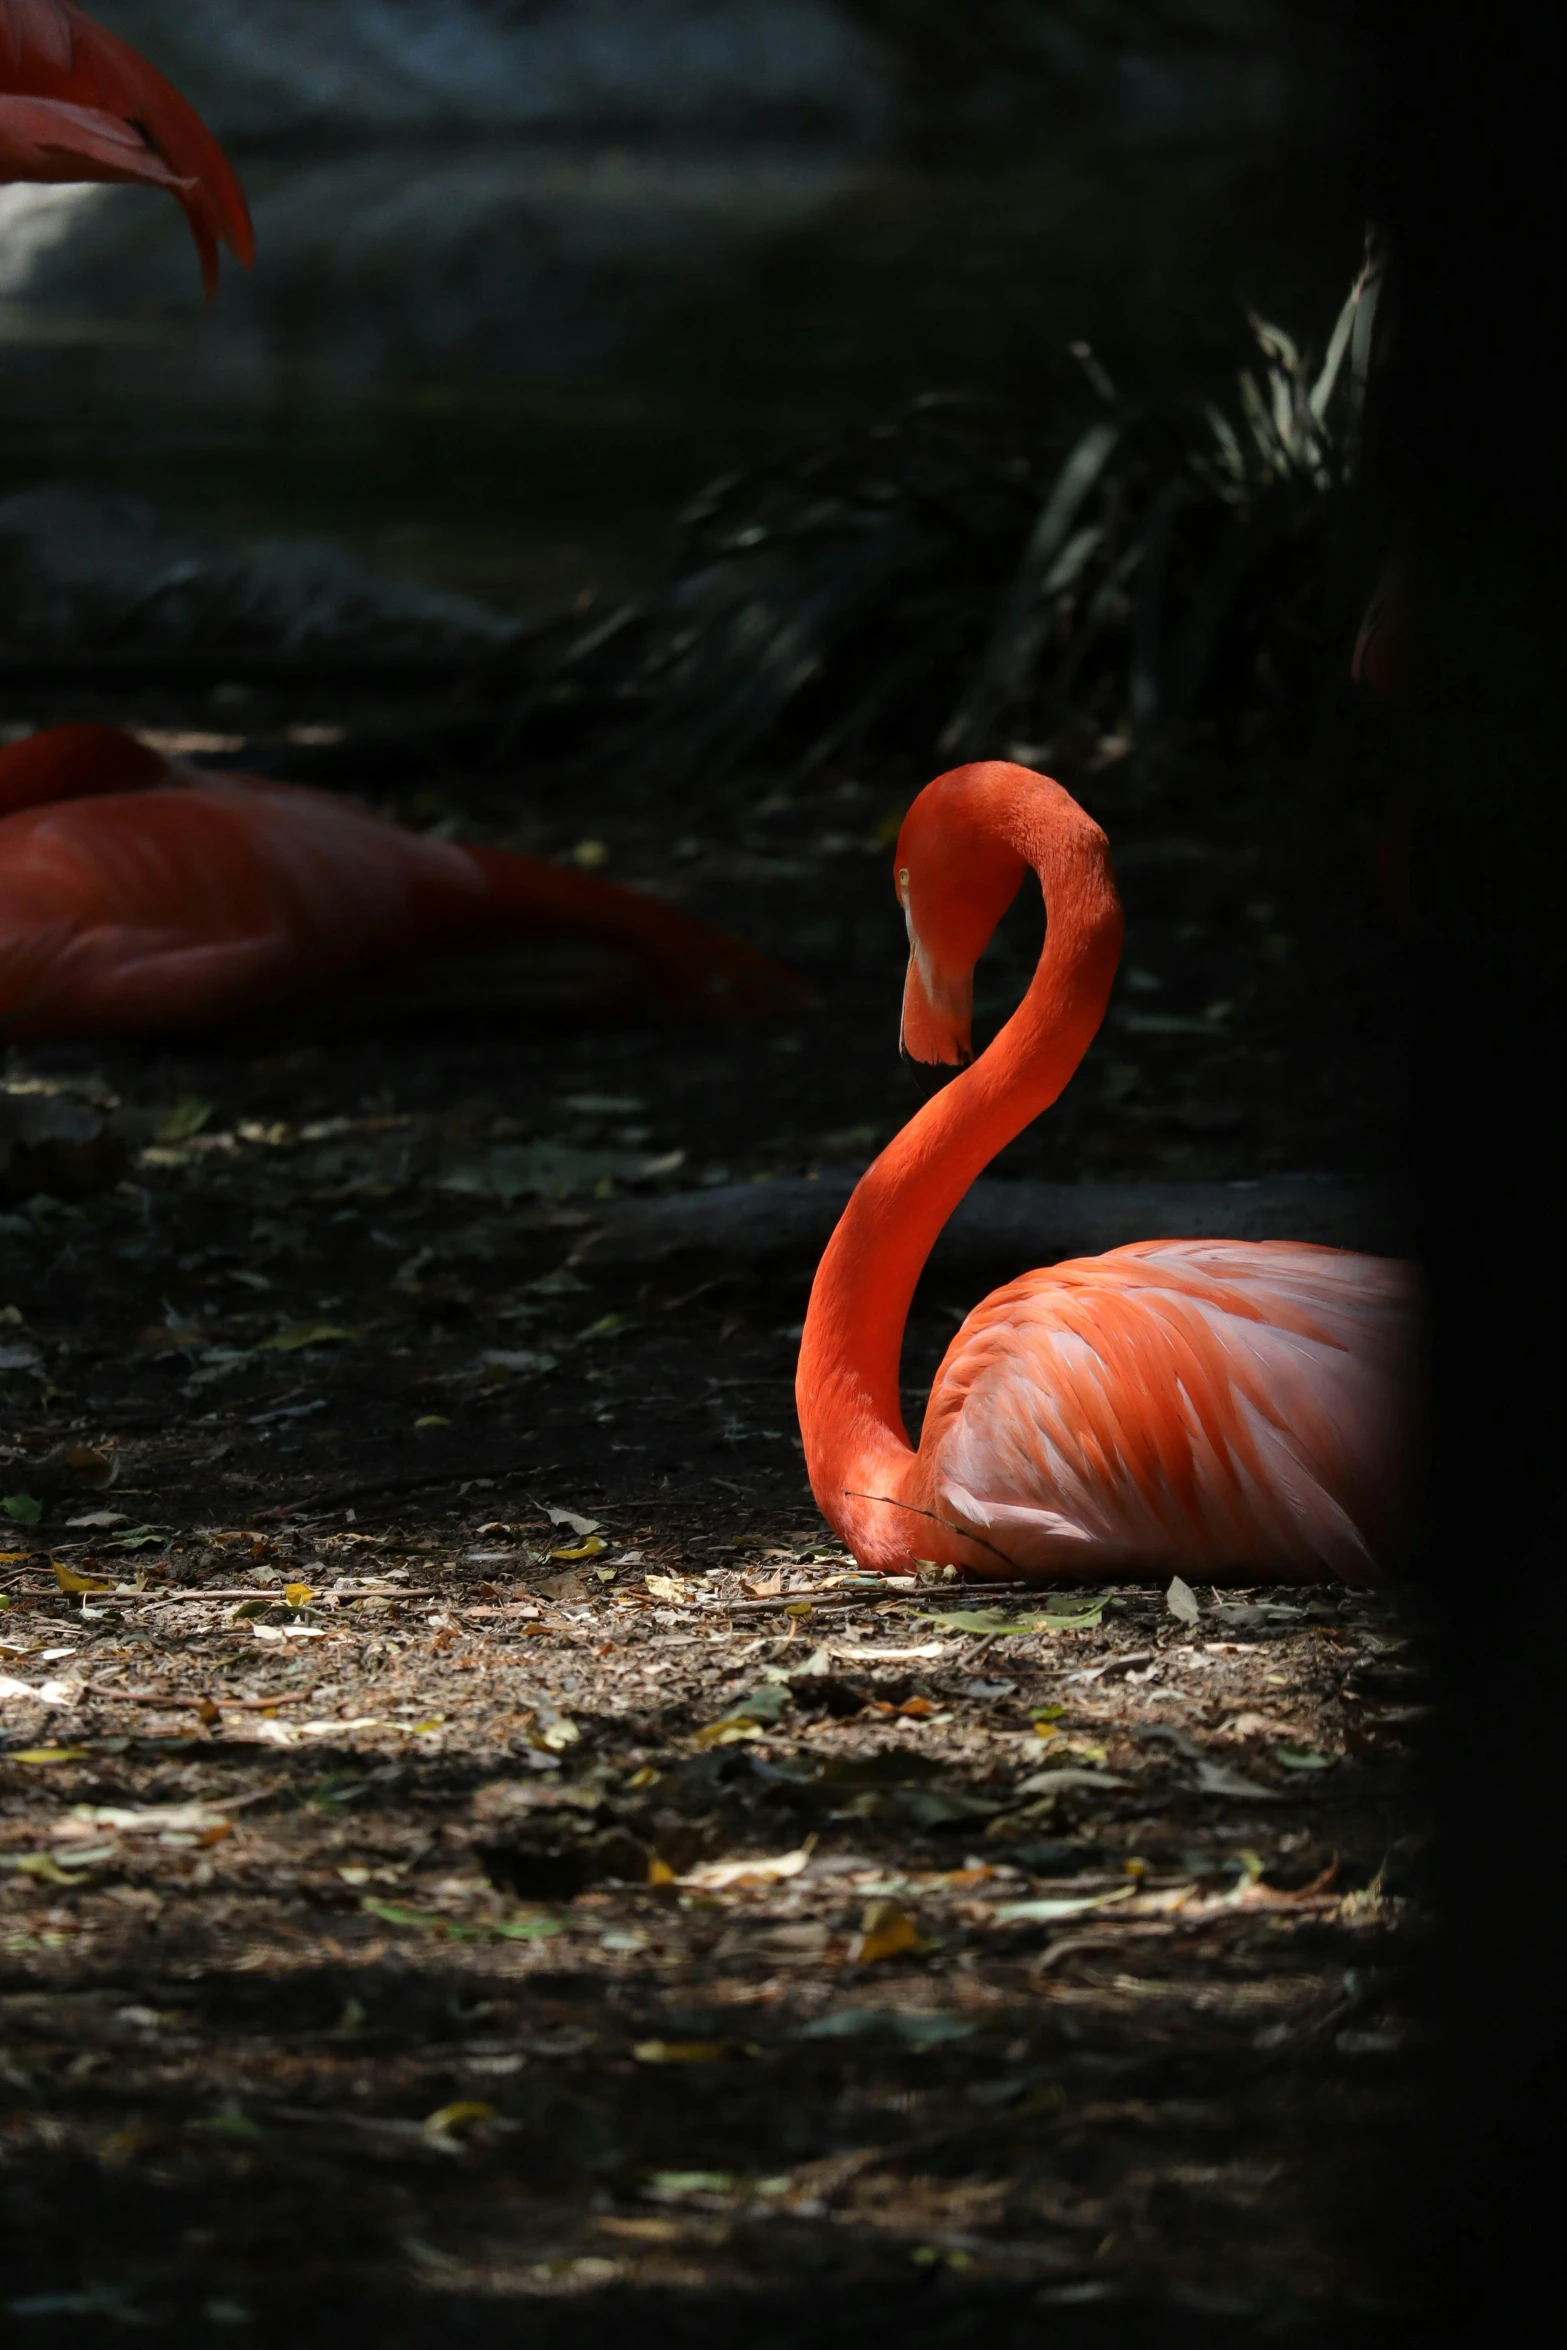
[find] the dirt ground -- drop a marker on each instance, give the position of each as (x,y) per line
(477,1858)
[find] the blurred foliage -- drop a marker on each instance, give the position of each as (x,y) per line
(962,579)
(1026,42)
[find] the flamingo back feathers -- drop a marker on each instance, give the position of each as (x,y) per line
(1226,1404)
(75,762)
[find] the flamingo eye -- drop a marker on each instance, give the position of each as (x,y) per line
(903,878)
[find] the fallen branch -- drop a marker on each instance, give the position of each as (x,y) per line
(893,1595)
(271,1598)
(268,1598)
(173,1704)
(1017,1224)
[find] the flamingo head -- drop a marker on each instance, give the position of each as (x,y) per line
(956,872)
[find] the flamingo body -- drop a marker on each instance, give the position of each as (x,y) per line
(1228,1408)
(78,103)
(138,897)
(1180,1406)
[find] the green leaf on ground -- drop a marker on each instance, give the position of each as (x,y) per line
(288,1342)
(423,1921)
(188,1116)
(897,2023)
(1046,1912)
(990,1620)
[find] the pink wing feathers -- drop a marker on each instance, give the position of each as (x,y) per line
(1183,1403)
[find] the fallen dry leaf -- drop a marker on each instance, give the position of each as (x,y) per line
(715,1874)
(96,1470)
(679,2052)
(11,1687)
(571,1519)
(1219,1779)
(442,2126)
(38,1865)
(1059,1781)
(154,1819)
(727,1733)
(886,1930)
(1181,1600)
(69,1580)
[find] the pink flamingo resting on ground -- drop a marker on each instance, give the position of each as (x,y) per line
(138,896)
(78,103)
(1239,1409)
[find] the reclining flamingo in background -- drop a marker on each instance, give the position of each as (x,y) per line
(138,896)
(141,897)
(78,103)
(1230,1408)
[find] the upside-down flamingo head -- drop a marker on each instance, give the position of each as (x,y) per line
(956,871)
(78,103)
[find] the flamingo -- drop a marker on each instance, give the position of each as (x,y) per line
(1242,1409)
(139,896)
(78,103)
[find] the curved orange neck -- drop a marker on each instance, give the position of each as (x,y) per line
(847,1390)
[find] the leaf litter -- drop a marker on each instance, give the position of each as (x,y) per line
(511,1891)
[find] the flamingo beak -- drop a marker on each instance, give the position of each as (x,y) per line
(938,1007)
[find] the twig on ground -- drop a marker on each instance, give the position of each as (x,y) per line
(99,1692)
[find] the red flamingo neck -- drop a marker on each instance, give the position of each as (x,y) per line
(847,1390)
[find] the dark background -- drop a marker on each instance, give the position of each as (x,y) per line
(530,277)
(945,217)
